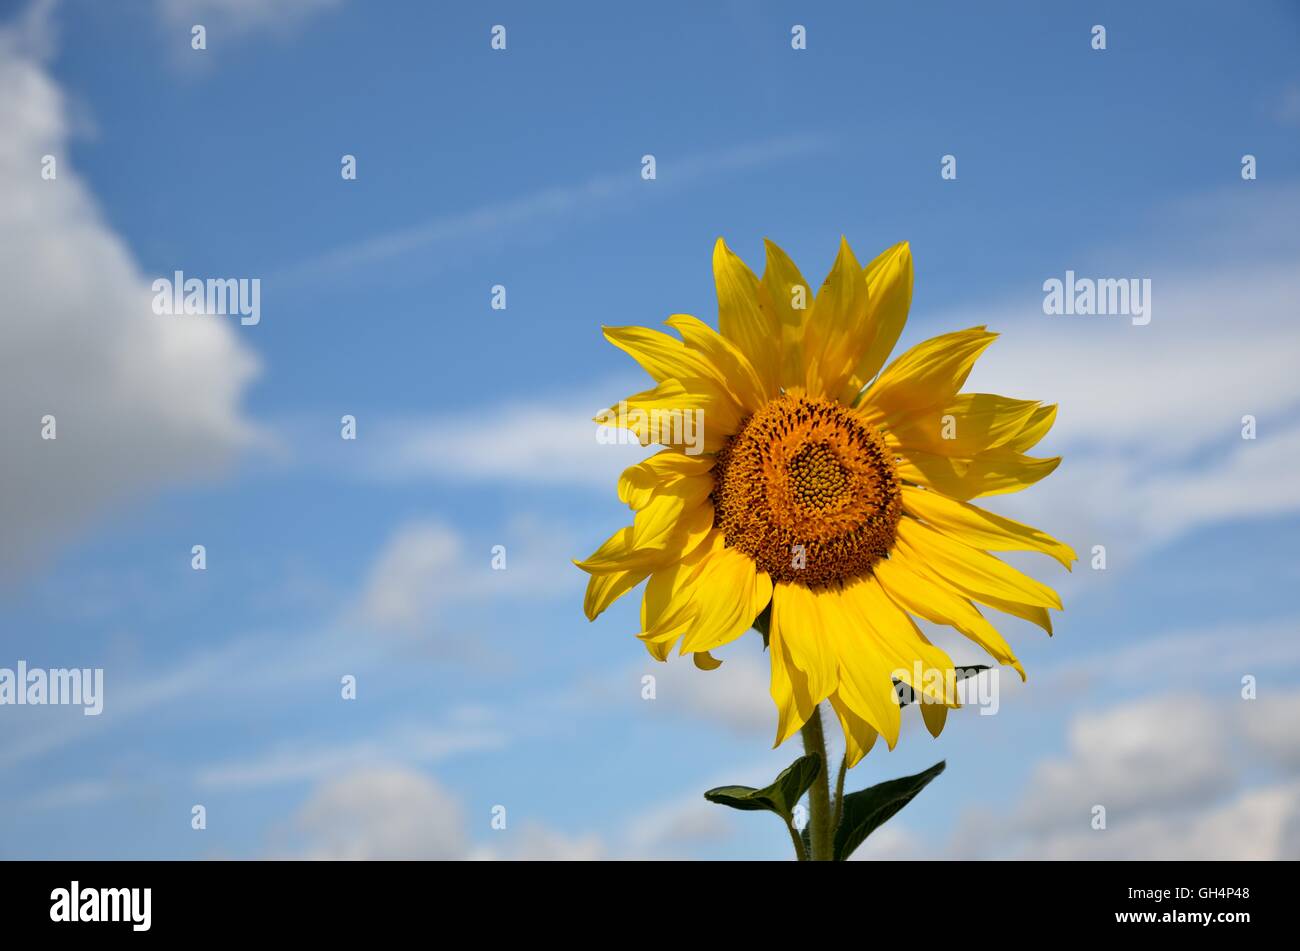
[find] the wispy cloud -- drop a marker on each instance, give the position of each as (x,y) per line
(239,17)
(296,763)
(516,218)
(538,442)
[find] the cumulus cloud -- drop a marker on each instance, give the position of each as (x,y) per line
(534,842)
(426,566)
(1152,755)
(735,695)
(412,574)
(394,812)
(383,813)
(138,400)
(1255,825)
(1168,772)
(1268,726)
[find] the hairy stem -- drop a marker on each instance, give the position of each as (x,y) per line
(819,796)
(839,797)
(799,851)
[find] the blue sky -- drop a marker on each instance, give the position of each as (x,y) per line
(522,168)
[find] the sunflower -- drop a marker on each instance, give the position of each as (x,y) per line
(828,500)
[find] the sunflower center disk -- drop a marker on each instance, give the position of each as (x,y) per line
(809,491)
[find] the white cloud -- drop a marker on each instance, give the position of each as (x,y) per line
(75,795)
(892,842)
(678,828)
(393,812)
(287,764)
(1256,825)
(736,695)
(383,813)
(1268,725)
(1151,417)
(1151,755)
(546,443)
(422,574)
(1168,772)
(242,16)
(140,400)
(426,566)
(1185,658)
(534,842)
(1288,106)
(411,575)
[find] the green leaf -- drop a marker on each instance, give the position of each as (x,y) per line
(907,695)
(763,622)
(780,797)
(866,811)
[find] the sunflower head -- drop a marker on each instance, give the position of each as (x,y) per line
(809,490)
(831,491)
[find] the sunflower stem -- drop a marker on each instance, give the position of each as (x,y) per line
(800,852)
(839,796)
(819,796)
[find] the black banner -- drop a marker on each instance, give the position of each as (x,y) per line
(898,902)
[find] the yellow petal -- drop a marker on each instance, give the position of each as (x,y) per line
(859,735)
(606,588)
(980,528)
(733,367)
(931,372)
(913,588)
(662,539)
(935,716)
(784,293)
(708,599)
(614,554)
(966,425)
(995,472)
(836,328)
(666,594)
(661,355)
(889,296)
(906,653)
(798,624)
(706,661)
(728,595)
(654,525)
(741,320)
(864,664)
(695,415)
(1034,430)
(972,570)
(791,691)
(639,483)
